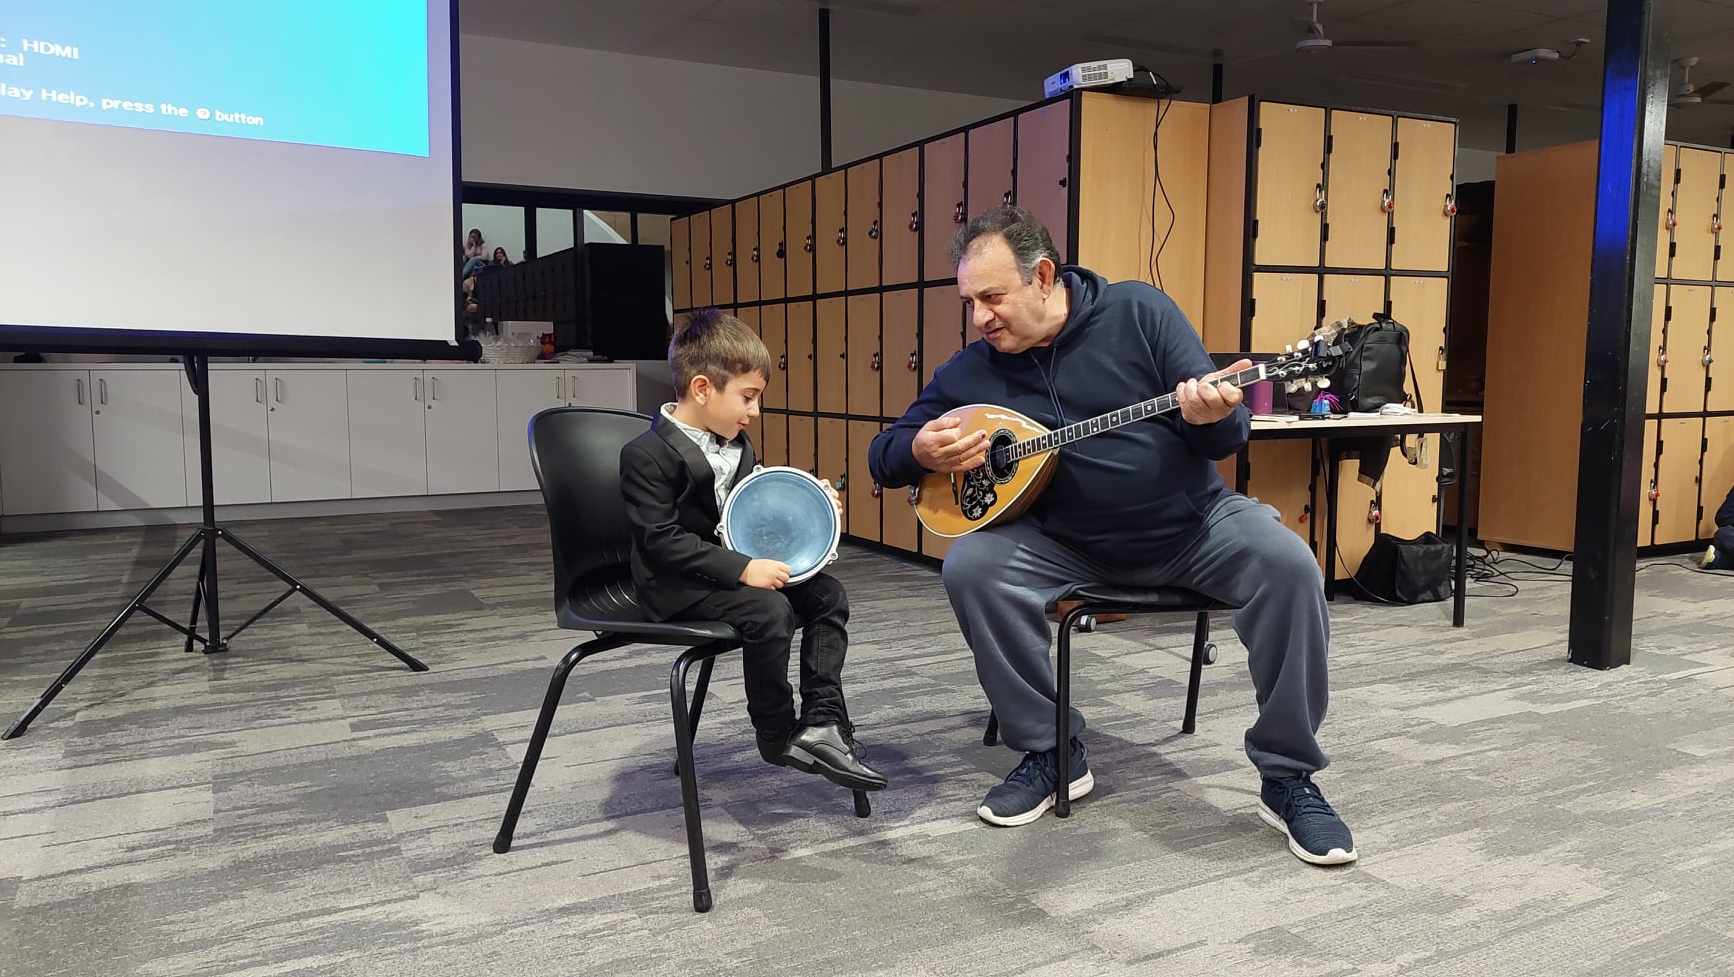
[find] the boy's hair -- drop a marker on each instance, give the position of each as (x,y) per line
(717,345)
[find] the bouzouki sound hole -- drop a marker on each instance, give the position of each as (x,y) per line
(999,460)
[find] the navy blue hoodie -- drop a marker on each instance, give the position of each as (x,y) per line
(1133,495)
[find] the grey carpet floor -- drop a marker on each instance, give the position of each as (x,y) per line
(304,805)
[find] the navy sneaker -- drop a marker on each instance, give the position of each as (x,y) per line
(1028,791)
(1315,833)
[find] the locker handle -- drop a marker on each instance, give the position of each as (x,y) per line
(755,254)
(1374,516)
(707,262)
(782,250)
(873,231)
(914,363)
(1450,205)
(259,390)
(1672,223)
(1708,359)
(1319,197)
(102,391)
(1439,363)
(1662,356)
(1715,223)
(1387,201)
(1007,199)
(874,365)
(79,384)
(877,490)
(914,494)
(842,236)
(840,483)
(782,361)
(957,213)
(807,245)
(915,220)
(729,259)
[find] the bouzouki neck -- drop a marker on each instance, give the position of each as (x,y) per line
(1103,423)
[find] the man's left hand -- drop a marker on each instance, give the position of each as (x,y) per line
(1204,401)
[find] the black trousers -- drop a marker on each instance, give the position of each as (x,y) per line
(766,620)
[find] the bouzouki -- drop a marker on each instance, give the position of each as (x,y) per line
(1023,455)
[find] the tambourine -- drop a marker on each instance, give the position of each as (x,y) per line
(783,514)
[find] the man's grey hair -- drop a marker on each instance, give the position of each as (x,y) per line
(1030,242)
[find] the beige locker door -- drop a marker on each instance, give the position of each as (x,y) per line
(1279,474)
(1695,215)
(1419,304)
(830,232)
(722,256)
(942,204)
(1357,511)
(990,166)
(772,246)
(801,355)
(900,234)
(756,432)
(1358,190)
(941,328)
(1725,240)
(1647,485)
(750,316)
(897,523)
(701,261)
(798,233)
(1685,370)
(1665,213)
(931,545)
(776,439)
(831,352)
(1426,195)
(864,360)
(1356,297)
(1658,350)
(1044,160)
(748,260)
(1721,396)
(680,257)
(801,448)
(1290,184)
(833,455)
(1677,459)
(1285,309)
(902,364)
(861,495)
(863,235)
(773,329)
(1409,497)
(1718,471)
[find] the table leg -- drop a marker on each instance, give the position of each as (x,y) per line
(1330,519)
(1462,567)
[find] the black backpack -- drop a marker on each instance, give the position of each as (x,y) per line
(1370,373)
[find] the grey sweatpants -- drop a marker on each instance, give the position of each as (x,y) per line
(1002,580)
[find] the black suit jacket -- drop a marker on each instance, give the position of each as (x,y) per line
(670,493)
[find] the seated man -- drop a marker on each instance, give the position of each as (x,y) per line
(1720,555)
(1140,505)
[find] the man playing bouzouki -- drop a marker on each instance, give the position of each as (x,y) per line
(1139,505)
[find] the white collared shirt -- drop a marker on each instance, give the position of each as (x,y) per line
(724,456)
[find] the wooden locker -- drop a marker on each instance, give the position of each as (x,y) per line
(861,495)
(942,204)
(1419,304)
(1658,350)
(1290,195)
(1358,193)
(1695,200)
(1721,395)
(1647,485)
(901,372)
(831,352)
(1409,495)
(1279,474)
(799,324)
(931,545)
(1356,297)
(900,204)
(801,454)
(798,235)
(748,260)
(1725,240)
(722,256)
(833,457)
(772,246)
(1685,371)
(1677,459)
(1718,475)
(1426,195)
(774,332)
(990,166)
(1044,162)
(1285,309)
(864,360)
(1357,514)
(941,328)
(1665,213)
(897,523)
(750,316)
(680,262)
(701,261)
(863,235)
(776,439)
(830,232)
(756,433)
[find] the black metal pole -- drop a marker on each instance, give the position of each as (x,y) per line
(214,643)
(1511,127)
(1628,198)
(1216,83)
(824,88)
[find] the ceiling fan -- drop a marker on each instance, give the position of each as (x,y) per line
(1689,94)
(1316,42)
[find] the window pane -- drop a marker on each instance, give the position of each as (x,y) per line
(501,227)
(607,226)
(654,229)
(553,231)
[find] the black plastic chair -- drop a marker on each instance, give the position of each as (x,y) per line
(575,452)
(1094,599)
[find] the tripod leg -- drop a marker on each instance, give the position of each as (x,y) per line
(18,728)
(214,642)
(330,608)
(198,595)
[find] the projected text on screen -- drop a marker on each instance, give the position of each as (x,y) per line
(319,72)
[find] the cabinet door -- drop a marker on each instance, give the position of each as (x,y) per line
(832,349)
(864,234)
(774,332)
(861,495)
(308,428)
(1285,309)
(1409,496)
(1721,394)
(1358,191)
(1718,475)
(1657,350)
(1419,304)
(1426,195)
(831,231)
(990,166)
(1290,185)
(1695,215)
(701,261)
(800,352)
(897,523)
(801,448)
(463,446)
(774,446)
(680,261)
(387,433)
(773,247)
(900,237)
(798,233)
(864,360)
(1044,162)
(902,360)
(1647,485)
(47,447)
(942,204)
(1677,459)
(941,328)
(610,386)
(1356,297)
(833,458)
(748,260)
(1685,369)
(240,452)
(138,439)
(1665,213)
(722,256)
(1279,474)
(519,396)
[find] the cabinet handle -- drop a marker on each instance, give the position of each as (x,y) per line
(415,388)
(258,390)
(914,363)
(873,231)
(436,388)
(841,483)
(559,387)
(277,388)
(842,236)
(755,255)
(1007,199)
(79,382)
(807,245)
(102,391)
(1450,205)
(915,220)
(782,361)
(707,262)
(1387,201)
(957,214)
(1319,197)
(729,259)
(874,365)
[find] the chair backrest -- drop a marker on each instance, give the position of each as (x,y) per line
(575,452)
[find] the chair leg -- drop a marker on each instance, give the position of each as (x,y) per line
(1200,639)
(1063,713)
(990,736)
(698,699)
(863,808)
(533,753)
(701,899)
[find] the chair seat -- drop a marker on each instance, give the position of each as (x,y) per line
(1147,599)
(608,603)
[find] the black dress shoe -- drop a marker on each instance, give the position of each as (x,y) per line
(824,750)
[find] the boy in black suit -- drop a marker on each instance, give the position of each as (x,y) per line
(675,478)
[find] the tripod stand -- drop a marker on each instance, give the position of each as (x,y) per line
(212,641)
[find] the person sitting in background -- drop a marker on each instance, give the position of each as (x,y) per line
(1720,555)
(475,252)
(500,258)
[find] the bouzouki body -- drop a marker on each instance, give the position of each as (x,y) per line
(953,504)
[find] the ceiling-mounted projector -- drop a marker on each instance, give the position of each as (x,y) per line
(1087,74)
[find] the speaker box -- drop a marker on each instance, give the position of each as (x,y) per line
(625,296)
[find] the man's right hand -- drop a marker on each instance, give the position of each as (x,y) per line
(940,447)
(766,574)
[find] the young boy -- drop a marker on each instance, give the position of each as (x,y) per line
(675,478)
(1720,555)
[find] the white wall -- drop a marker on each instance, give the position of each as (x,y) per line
(1475,165)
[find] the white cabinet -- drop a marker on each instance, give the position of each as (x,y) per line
(47,449)
(140,461)
(240,439)
(615,387)
(521,394)
(308,430)
(463,453)
(387,443)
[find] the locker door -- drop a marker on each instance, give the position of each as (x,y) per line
(1677,459)
(756,432)
(1290,184)
(861,495)
(772,328)
(1409,497)
(1725,241)
(941,328)
(772,245)
(900,228)
(1044,160)
(801,453)
(831,349)
(748,260)
(1357,514)
(1425,195)
(1695,215)
(1721,396)
(1685,370)
(1718,471)
(864,360)
(831,232)
(680,265)
(798,238)
(1358,191)
(897,524)
(1285,309)
(701,261)
(942,205)
(1647,485)
(776,439)
(800,352)
(833,458)
(1665,213)
(1353,296)
(902,363)
(751,317)
(722,256)
(990,166)
(1419,304)
(1279,474)
(1658,351)
(863,232)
